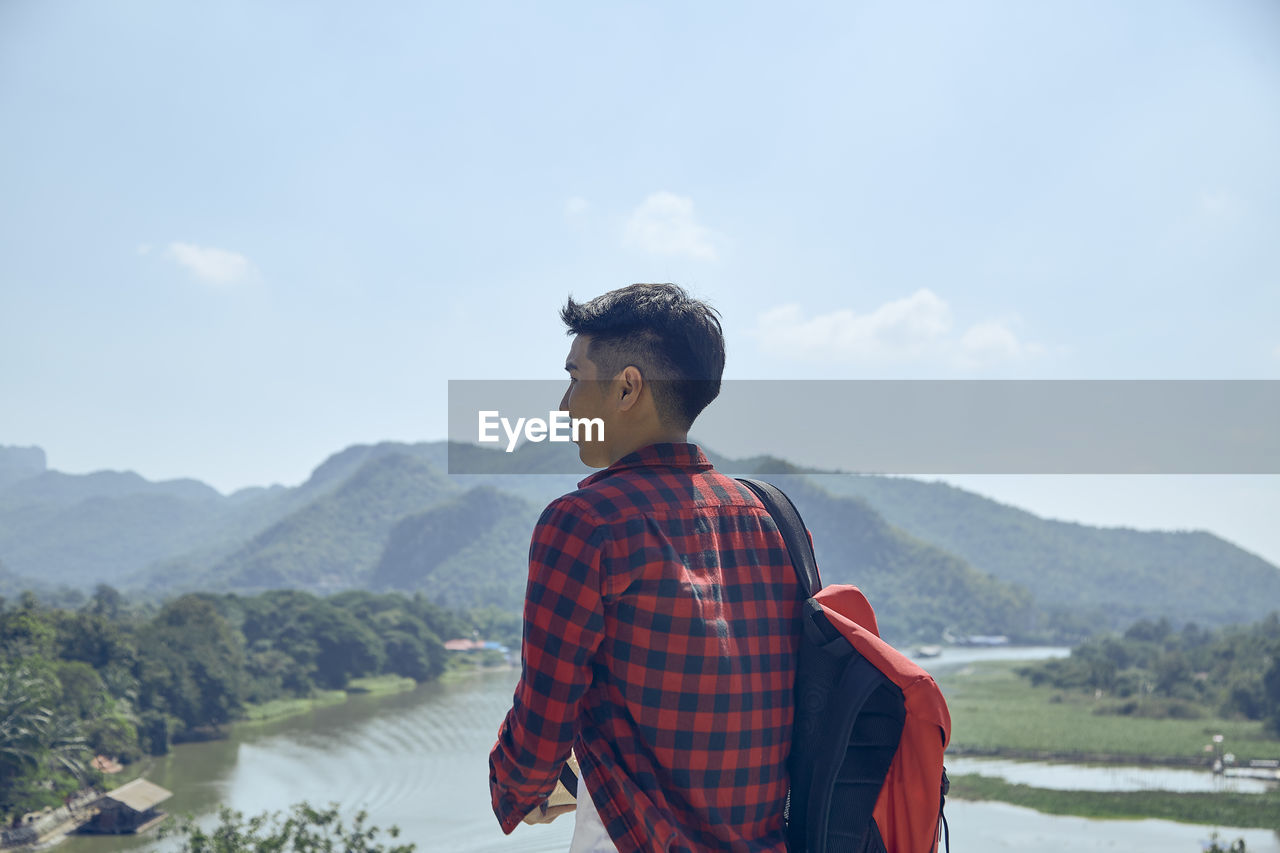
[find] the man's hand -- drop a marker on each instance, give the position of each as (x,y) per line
(545,814)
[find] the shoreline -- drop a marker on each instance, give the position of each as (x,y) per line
(452,676)
(269,712)
(70,817)
(1221,808)
(281,709)
(1102,759)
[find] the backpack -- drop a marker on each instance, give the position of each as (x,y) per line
(870,726)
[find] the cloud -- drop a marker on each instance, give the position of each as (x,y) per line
(576,206)
(900,330)
(987,343)
(664,224)
(917,328)
(217,266)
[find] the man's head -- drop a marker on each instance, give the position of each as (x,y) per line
(657,355)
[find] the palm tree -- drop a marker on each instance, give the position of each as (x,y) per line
(23,720)
(22,717)
(65,745)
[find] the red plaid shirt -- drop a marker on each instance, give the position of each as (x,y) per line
(661,625)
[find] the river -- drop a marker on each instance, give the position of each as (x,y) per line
(418,760)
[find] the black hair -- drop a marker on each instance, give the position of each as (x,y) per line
(675,340)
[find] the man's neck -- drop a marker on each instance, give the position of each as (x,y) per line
(671,437)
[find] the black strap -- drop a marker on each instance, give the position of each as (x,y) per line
(942,804)
(569,779)
(787,517)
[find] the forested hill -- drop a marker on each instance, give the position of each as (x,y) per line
(917,589)
(1109,577)
(386,516)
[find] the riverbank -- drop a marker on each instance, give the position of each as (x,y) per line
(278,709)
(996,713)
(464,671)
(48,827)
(1247,811)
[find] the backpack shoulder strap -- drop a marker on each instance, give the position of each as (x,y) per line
(787,517)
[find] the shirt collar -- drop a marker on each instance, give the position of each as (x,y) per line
(665,454)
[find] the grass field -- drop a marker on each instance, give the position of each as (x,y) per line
(279,708)
(995,712)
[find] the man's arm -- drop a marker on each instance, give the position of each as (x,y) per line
(563,626)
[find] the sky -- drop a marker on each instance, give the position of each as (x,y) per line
(238,237)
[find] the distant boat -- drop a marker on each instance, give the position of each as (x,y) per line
(927,652)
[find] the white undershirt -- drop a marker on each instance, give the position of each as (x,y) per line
(588,830)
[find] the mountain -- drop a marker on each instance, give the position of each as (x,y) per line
(931,557)
(465,552)
(1108,576)
(20,463)
(917,589)
(332,542)
(77,529)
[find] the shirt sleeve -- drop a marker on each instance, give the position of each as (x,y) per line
(563,627)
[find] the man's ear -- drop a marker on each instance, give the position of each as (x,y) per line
(630,384)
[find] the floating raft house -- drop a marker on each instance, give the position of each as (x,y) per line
(133,807)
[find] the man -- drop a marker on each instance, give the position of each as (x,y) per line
(661,617)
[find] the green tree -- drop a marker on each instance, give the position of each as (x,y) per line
(1173,674)
(98,640)
(66,747)
(191,663)
(42,752)
(26,632)
(304,829)
(116,736)
(338,646)
(83,695)
(1271,684)
(105,602)
(23,717)
(407,655)
(347,648)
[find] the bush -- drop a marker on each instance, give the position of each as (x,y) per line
(115,737)
(1237,846)
(154,733)
(305,828)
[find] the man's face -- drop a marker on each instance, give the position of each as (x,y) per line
(585,398)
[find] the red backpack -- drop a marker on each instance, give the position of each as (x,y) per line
(871,725)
